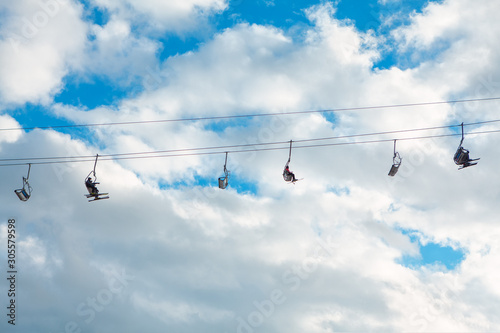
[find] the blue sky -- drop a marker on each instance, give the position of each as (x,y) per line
(262,254)
(94,91)
(432,254)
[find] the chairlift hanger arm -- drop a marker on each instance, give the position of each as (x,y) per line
(290,153)
(92,172)
(462,141)
(95,164)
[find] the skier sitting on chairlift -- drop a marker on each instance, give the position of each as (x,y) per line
(91,186)
(290,176)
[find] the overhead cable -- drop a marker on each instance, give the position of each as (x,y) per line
(186,152)
(249,144)
(252,115)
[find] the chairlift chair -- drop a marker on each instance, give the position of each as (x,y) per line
(90,184)
(224,181)
(288,175)
(396,162)
(461,157)
(25,193)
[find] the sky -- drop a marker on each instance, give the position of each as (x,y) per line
(345,249)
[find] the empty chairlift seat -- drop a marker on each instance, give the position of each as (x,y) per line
(25,193)
(396,162)
(224,181)
(22,194)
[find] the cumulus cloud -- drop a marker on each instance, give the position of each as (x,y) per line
(119,54)
(12,135)
(41,42)
(164,15)
(442,35)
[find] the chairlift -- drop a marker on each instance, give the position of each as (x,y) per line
(461,157)
(223,181)
(396,162)
(288,175)
(91,182)
(25,193)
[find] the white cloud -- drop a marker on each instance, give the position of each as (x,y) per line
(164,15)
(12,135)
(457,53)
(119,54)
(42,41)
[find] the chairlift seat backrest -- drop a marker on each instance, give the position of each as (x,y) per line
(223,181)
(461,156)
(22,194)
(394,169)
